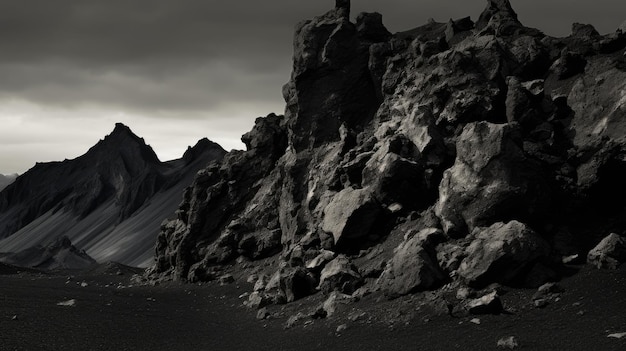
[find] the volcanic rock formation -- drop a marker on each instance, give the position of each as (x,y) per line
(109,201)
(482,152)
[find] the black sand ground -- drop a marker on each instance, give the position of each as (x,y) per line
(111,315)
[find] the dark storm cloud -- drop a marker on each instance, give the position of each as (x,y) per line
(192,54)
(142,54)
(69,69)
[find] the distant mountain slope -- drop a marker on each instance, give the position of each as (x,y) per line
(109,202)
(57,254)
(5,180)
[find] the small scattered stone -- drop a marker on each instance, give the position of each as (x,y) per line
(252,278)
(550,288)
(293,320)
(334,300)
(261,283)
(342,328)
(84,284)
(68,303)
(609,253)
(510,343)
(14,318)
(258,300)
(463,294)
(475,321)
(317,263)
(226,279)
(262,313)
(617,335)
(570,259)
(540,303)
(357,316)
(151,299)
(395,207)
(488,304)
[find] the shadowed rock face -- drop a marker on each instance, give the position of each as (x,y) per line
(107,201)
(485,127)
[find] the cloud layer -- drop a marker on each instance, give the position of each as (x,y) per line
(176,71)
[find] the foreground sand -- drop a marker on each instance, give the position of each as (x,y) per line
(111,314)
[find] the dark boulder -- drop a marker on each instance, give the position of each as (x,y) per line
(351,214)
(289,284)
(491,180)
(503,253)
(609,253)
(412,267)
(340,275)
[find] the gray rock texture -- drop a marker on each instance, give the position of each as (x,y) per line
(470,152)
(503,253)
(609,253)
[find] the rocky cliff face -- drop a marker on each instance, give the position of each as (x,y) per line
(468,152)
(108,201)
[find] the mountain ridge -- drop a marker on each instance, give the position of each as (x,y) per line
(108,185)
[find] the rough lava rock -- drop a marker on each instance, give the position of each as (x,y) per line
(491,180)
(350,214)
(471,131)
(503,253)
(412,267)
(609,253)
(340,275)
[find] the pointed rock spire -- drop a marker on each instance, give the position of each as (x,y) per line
(500,15)
(344,6)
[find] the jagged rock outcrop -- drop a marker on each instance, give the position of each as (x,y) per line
(350,214)
(108,201)
(340,275)
(242,195)
(491,180)
(474,131)
(609,253)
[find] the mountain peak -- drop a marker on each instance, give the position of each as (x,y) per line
(123,131)
(123,141)
(204,146)
(122,128)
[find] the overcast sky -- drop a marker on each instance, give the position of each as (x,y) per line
(175,71)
